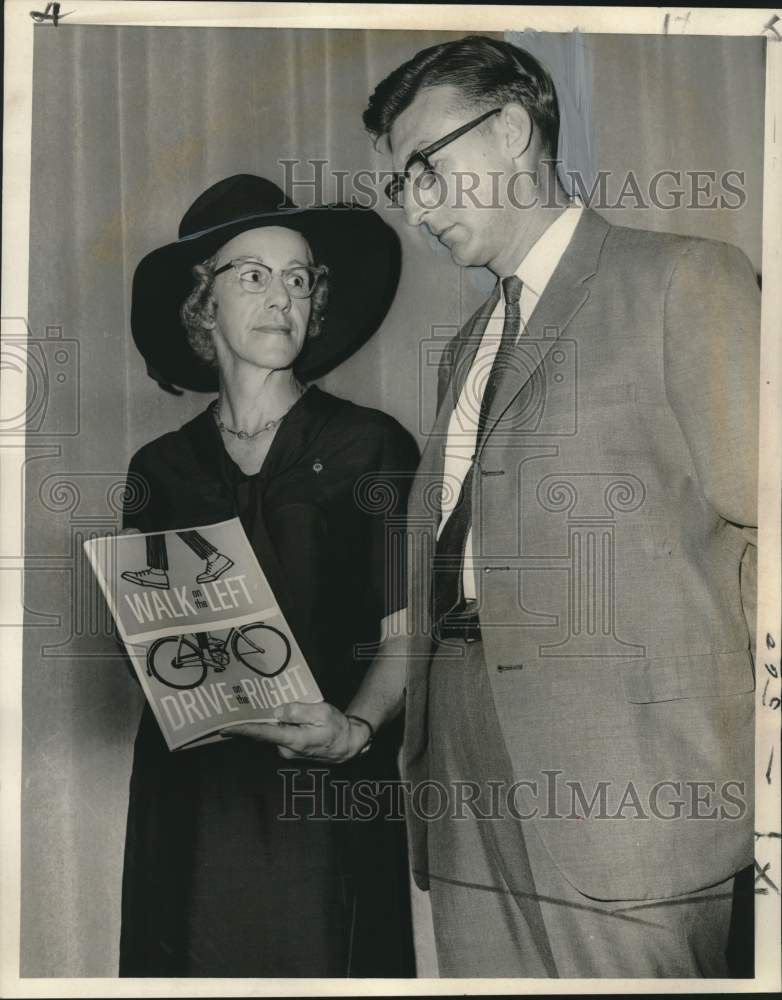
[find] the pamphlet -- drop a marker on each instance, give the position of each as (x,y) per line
(201,626)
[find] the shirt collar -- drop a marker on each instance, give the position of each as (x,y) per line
(541,260)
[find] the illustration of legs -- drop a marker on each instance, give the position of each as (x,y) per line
(156,573)
(216,562)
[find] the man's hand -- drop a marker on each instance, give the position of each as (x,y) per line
(319,731)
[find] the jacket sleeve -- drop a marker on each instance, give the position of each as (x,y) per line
(136,504)
(388,529)
(712,357)
(137,501)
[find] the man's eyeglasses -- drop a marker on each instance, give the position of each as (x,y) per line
(255,276)
(426,177)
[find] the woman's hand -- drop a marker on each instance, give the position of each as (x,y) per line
(319,731)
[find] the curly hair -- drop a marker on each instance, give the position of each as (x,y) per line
(199,311)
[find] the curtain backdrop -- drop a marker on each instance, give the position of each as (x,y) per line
(129,126)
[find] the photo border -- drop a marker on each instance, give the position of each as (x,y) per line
(18,69)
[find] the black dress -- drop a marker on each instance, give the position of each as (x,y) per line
(215,884)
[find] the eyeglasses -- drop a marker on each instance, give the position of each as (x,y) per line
(426,177)
(255,276)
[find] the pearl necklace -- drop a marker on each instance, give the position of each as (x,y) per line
(246,435)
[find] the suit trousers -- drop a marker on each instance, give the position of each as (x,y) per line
(500,905)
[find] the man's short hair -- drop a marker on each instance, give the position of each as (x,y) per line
(487,71)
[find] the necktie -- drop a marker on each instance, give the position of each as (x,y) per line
(447,592)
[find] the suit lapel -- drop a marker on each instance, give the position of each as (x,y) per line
(423,517)
(565,294)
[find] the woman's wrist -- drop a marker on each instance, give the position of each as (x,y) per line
(361,734)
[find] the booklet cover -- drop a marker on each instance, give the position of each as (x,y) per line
(203,631)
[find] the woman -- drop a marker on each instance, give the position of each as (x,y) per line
(215,884)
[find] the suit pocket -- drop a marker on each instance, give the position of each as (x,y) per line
(674,678)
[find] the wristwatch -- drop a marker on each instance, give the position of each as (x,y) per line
(370,727)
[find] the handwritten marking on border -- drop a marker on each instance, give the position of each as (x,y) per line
(683,19)
(770,26)
(52,13)
(761,874)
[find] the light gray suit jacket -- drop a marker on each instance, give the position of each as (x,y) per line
(616,483)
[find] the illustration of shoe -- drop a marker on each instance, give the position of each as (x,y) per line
(148,577)
(216,565)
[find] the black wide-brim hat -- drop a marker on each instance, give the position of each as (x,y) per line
(361,251)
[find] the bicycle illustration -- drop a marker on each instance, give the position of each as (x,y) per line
(182,661)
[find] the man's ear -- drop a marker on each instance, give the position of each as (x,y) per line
(517,127)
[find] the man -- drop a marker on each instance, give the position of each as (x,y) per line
(579,670)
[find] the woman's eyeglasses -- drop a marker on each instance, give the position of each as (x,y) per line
(425,176)
(255,276)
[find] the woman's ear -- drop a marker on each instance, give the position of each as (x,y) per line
(209,314)
(318,305)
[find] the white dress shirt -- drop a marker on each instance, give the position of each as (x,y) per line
(534,271)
